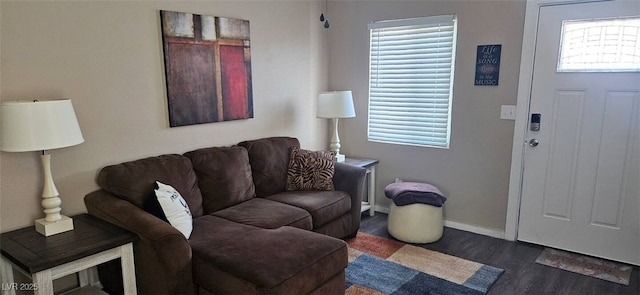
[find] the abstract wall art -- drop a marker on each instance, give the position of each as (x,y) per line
(207,63)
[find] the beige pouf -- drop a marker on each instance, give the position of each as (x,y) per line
(416,212)
(415,223)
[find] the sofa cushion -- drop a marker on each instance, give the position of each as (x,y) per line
(224,176)
(269,158)
(241,259)
(266,214)
(167,204)
(134,181)
(310,170)
(324,206)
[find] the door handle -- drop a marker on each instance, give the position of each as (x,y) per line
(533,142)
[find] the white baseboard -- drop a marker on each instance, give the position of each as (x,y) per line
(382,209)
(491,232)
(486,231)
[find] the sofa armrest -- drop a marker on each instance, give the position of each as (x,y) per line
(162,254)
(351,179)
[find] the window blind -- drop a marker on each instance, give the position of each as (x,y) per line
(411,80)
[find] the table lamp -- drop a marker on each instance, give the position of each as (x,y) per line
(335,105)
(42,125)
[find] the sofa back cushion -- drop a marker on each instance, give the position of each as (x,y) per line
(269,158)
(134,181)
(224,176)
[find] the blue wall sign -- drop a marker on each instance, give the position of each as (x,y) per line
(488,65)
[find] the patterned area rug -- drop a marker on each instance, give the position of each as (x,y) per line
(383,266)
(588,266)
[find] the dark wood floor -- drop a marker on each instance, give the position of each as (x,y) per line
(522,275)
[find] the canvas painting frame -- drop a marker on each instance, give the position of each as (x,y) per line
(207,68)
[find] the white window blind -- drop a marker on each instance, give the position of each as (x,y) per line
(411,80)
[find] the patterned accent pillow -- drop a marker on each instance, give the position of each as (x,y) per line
(310,170)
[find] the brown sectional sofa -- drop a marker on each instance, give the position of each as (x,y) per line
(249,236)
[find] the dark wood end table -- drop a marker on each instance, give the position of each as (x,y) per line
(44,259)
(370,165)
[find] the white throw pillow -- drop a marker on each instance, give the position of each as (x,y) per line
(175,208)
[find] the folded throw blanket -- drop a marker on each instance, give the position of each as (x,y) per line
(406,193)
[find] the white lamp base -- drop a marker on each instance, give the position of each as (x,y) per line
(49,228)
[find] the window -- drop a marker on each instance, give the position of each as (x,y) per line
(411,81)
(600,45)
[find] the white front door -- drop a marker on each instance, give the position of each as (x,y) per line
(580,187)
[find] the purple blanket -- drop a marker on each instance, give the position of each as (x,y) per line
(406,193)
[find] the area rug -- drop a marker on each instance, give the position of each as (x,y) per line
(588,266)
(384,266)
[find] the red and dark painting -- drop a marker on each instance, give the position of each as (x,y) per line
(208,68)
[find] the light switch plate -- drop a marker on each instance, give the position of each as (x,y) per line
(508,112)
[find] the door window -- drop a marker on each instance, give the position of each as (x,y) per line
(600,45)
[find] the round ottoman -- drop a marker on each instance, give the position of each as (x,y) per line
(415,215)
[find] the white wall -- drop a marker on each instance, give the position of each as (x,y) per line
(474,172)
(107,57)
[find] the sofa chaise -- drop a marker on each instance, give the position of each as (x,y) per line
(250,235)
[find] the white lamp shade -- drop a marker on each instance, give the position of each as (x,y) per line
(39,125)
(335,104)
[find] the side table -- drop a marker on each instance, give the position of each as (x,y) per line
(45,259)
(370,165)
